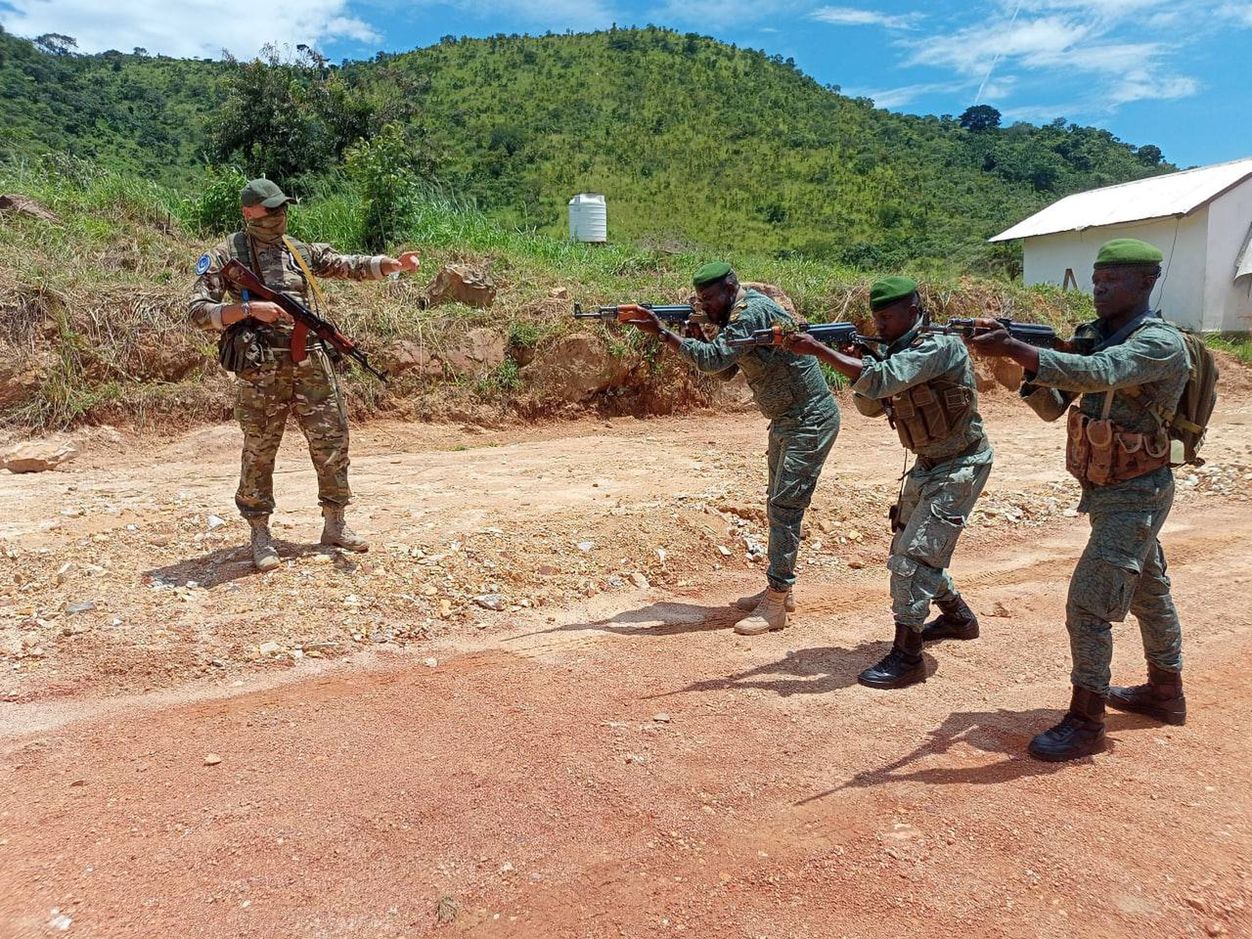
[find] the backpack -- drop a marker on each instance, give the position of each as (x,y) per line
(1187,423)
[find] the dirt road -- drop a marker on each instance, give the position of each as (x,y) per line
(524,713)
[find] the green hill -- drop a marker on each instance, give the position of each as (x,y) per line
(694,142)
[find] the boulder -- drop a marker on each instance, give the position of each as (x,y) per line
(1007,372)
(575,367)
(404,355)
(25,205)
(20,378)
(480,350)
(36,456)
(775,293)
(461,284)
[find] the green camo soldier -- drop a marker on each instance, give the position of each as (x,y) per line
(1120,453)
(287,381)
(790,390)
(925,386)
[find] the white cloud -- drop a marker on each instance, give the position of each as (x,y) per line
(1054,41)
(906,94)
(199,28)
(852,16)
(1239,13)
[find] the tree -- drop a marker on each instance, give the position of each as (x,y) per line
(1150,155)
(56,44)
(979,118)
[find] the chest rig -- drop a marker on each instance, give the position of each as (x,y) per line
(929,412)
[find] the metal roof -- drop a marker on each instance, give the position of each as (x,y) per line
(1171,195)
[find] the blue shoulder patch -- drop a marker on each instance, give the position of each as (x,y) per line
(203,265)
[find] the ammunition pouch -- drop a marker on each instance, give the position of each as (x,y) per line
(928,413)
(242,346)
(1101,452)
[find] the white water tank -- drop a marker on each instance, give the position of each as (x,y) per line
(588,218)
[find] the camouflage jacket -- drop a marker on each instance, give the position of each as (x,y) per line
(274,265)
(782,382)
(1153,356)
(930,358)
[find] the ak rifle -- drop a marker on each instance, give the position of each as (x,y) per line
(252,287)
(832,334)
(674,314)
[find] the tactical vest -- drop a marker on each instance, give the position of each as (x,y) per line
(928,413)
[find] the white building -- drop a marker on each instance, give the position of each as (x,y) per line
(1201,220)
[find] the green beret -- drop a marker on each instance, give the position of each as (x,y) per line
(890,289)
(1128,251)
(263,192)
(711,273)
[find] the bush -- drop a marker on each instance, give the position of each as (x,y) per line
(215,209)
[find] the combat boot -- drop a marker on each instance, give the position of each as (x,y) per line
(749,604)
(769,615)
(902,666)
(1161,698)
(264,554)
(1080,733)
(337,533)
(955,621)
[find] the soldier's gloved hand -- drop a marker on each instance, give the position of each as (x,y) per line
(267,312)
(631,314)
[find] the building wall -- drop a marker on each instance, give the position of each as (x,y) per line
(1227,304)
(1180,291)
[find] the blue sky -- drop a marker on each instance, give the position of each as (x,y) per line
(1169,72)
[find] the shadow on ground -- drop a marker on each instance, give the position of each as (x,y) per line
(805,671)
(1000,731)
(656,619)
(227,564)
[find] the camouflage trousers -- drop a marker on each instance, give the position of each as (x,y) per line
(1122,571)
(266,396)
(798,447)
(934,507)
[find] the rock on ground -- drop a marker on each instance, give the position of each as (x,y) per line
(36,456)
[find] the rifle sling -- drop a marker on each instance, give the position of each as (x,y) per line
(300,335)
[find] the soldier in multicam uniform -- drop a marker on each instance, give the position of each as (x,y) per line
(790,391)
(288,380)
(924,383)
(1118,449)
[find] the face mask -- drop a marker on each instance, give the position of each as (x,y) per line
(268,229)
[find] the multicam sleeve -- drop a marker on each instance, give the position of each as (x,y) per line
(328,263)
(209,293)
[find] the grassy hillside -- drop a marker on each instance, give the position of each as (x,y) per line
(695,143)
(105,338)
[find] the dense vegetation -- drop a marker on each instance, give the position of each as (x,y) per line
(696,143)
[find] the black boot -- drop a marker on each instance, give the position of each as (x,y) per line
(902,666)
(955,621)
(1080,733)
(1161,698)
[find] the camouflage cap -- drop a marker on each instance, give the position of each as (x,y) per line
(889,290)
(1128,251)
(710,273)
(264,192)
